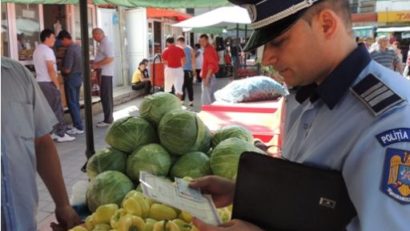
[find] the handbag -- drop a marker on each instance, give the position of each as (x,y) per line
(277,194)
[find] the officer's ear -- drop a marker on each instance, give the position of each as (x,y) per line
(328,23)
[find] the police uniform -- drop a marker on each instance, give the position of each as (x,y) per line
(357,122)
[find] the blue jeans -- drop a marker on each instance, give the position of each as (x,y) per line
(207,96)
(72,85)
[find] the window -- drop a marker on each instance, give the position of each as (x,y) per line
(27,29)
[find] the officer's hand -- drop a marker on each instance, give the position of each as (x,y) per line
(233,225)
(222,190)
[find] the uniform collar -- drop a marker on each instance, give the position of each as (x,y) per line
(339,81)
(6,63)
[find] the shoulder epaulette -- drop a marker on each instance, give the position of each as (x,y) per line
(376,95)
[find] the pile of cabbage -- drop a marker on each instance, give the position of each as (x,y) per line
(165,141)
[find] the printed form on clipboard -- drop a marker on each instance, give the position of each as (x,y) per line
(180,196)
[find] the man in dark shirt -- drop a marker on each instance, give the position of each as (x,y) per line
(73,79)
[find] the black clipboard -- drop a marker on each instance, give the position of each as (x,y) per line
(277,194)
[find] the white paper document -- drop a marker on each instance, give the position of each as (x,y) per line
(180,196)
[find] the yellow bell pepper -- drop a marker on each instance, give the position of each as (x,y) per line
(102,227)
(149,224)
(78,228)
(129,223)
(224,214)
(116,217)
(162,212)
(183,226)
(187,217)
(104,213)
(132,205)
(166,226)
(89,222)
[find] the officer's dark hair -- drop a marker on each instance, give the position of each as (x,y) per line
(340,7)
(197,46)
(170,40)
(46,33)
(64,34)
(181,39)
(205,36)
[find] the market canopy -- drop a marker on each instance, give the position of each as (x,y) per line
(223,16)
(136,3)
(167,13)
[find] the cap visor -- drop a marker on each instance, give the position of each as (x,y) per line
(265,34)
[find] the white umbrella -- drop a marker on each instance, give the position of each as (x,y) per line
(222,16)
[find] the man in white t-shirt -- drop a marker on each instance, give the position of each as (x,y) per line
(104,60)
(46,75)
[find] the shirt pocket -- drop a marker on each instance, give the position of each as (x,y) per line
(21,120)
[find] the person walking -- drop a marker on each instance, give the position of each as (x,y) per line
(174,59)
(27,149)
(345,112)
(46,74)
(140,80)
(406,72)
(210,67)
(386,56)
(104,60)
(73,79)
(189,70)
(199,59)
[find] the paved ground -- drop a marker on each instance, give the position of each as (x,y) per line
(72,155)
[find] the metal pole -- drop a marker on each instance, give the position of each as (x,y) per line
(237,60)
(87,80)
(237,31)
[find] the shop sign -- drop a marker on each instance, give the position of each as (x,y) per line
(28,14)
(397,16)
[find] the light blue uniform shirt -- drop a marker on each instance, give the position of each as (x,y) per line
(25,115)
(358,122)
(188,58)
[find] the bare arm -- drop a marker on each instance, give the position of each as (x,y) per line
(193,61)
(105,61)
(52,73)
(49,169)
(399,67)
(67,70)
(183,61)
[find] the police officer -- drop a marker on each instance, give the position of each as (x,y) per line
(346,112)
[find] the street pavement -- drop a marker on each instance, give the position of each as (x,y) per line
(72,154)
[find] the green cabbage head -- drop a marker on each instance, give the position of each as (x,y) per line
(108,187)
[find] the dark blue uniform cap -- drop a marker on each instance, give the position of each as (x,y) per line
(270,18)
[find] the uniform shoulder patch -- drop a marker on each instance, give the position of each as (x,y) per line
(393,136)
(396,175)
(376,95)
